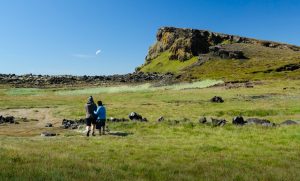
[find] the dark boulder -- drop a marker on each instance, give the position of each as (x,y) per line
(160,119)
(72,124)
(217,99)
(238,120)
(135,116)
(8,119)
(218,122)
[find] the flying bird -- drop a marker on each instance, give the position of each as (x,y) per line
(98,51)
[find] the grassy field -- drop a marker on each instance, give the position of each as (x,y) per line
(152,150)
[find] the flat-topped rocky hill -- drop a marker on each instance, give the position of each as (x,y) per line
(201,54)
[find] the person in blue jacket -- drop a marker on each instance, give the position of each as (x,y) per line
(101,117)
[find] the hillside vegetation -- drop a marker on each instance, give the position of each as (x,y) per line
(260,59)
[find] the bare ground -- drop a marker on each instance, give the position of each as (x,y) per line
(43,115)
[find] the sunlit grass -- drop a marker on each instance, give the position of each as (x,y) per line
(159,151)
(139,88)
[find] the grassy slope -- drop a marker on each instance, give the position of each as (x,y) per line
(162,151)
(260,59)
(163,64)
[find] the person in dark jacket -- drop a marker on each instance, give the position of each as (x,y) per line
(90,108)
(101,117)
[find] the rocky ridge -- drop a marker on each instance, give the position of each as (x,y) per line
(31,80)
(183,44)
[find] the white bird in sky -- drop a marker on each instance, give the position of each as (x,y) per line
(98,51)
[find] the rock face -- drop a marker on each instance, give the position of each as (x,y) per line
(183,44)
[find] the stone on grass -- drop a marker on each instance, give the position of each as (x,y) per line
(238,120)
(217,99)
(48,134)
(48,125)
(289,122)
(160,119)
(202,120)
(218,122)
(258,121)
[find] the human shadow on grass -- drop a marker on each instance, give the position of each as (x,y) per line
(119,133)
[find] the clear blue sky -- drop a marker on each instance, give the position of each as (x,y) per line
(62,36)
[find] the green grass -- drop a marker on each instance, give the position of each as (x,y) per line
(162,64)
(139,88)
(161,151)
(260,59)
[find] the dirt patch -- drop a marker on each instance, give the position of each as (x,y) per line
(43,115)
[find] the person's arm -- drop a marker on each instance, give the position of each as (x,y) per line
(97,111)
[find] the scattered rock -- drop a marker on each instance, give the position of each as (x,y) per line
(72,124)
(289,122)
(288,67)
(48,125)
(160,119)
(202,120)
(8,119)
(224,53)
(48,134)
(238,120)
(135,116)
(112,119)
(258,121)
(218,122)
(217,99)
(50,81)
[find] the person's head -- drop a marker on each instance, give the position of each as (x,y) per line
(90,100)
(99,103)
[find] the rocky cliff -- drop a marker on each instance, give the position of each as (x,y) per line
(199,54)
(183,44)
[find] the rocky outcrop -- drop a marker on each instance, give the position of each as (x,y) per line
(30,80)
(225,53)
(183,44)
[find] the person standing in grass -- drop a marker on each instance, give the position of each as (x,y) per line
(90,107)
(101,117)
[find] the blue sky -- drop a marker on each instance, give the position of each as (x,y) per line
(62,36)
